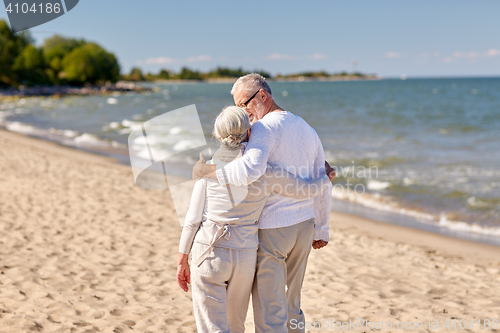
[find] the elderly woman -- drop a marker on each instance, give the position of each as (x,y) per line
(221,230)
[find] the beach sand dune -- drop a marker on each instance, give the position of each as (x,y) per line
(82,249)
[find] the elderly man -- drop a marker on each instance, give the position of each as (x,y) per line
(287,227)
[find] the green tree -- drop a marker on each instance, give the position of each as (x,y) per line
(90,64)
(150,77)
(164,74)
(55,49)
(11,45)
(263,73)
(135,75)
(225,72)
(189,74)
(29,66)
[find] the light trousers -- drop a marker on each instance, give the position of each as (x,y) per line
(221,288)
(281,261)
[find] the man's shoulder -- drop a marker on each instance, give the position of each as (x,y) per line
(284,122)
(261,126)
(278,118)
(292,120)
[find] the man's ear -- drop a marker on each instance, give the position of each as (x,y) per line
(264,95)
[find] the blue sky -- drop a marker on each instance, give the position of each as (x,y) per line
(390,38)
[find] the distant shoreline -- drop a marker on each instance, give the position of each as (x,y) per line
(292,79)
(141,86)
(59,91)
(327,79)
(138,86)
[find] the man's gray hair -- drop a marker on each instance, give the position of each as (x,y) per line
(231,126)
(251,83)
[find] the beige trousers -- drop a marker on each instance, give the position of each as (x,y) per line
(281,261)
(221,288)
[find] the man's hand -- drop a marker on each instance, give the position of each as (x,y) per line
(201,169)
(183,272)
(330,172)
(318,244)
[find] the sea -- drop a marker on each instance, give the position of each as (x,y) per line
(423,153)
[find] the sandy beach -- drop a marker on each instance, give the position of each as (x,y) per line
(82,249)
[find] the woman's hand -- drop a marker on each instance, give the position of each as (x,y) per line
(183,272)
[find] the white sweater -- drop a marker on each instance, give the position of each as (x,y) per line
(284,139)
(212,208)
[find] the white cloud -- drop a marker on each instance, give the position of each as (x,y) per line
(428,55)
(474,55)
(317,56)
(454,57)
(492,53)
(160,60)
(393,55)
(457,55)
(168,60)
(279,56)
(448,59)
(199,58)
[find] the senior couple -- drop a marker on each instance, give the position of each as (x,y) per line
(260,243)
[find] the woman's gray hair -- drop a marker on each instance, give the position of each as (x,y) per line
(231,126)
(251,83)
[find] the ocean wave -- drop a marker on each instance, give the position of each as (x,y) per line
(377,201)
(5,114)
(468,227)
(19,127)
(63,136)
(66,133)
(408,181)
(385,203)
(86,139)
(482,202)
(112,100)
(7,106)
(376,185)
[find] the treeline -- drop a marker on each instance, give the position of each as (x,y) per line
(324,74)
(59,61)
(185,73)
(76,62)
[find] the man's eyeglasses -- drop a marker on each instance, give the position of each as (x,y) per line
(244,105)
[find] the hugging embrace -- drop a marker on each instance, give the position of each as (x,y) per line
(256,210)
